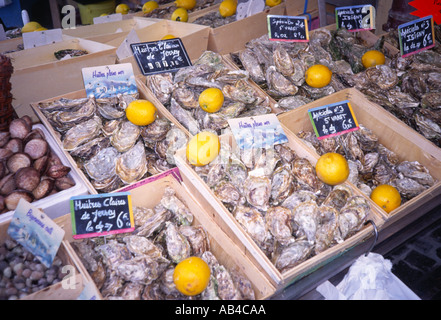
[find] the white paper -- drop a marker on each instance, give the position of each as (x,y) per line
(249,8)
(41,38)
(2,33)
(124,50)
(109,18)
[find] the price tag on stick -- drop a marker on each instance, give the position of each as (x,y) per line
(101,215)
(355,18)
(333,119)
(287,28)
(416,36)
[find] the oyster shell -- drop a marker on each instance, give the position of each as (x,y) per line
(161,85)
(292,254)
(102,165)
(131,165)
(82,133)
(257,191)
(125,136)
(182,214)
(178,247)
(306,218)
(278,221)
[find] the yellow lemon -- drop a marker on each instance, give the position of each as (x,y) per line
(372,58)
(103,14)
(227,8)
(191,276)
(272,3)
(141,112)
(180,14)
(41,29)
(318,76)
(186,4)
(332,168)
(211,99)
(168,36)
(122,8)
(203,148)
(30,27)
(149,6)
(386,196)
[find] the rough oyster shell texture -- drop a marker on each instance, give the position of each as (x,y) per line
(282,205)
(140,265)
(179,93)
(110,149)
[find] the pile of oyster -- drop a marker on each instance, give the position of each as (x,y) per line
(179,93)
(110,149)
(279,201)
(372,164)
(141,265)
(29,169)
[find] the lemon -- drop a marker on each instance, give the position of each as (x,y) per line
(141,112)
(168,36)
(149,6)
(191,276)
(30,27)
(180,14)
(211,100)
(372,58)
(122,8)
(186,4)
(203,148)
(386,196)
(41,29)
(272,3)
(227,8)
(318,76)
(332,168)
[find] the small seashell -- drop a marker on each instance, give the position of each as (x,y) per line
(43,189)
(27,178)
(7,184)
(4,138)
(36,148)
(19,128)
(64,183)
(14,197)
(57,171)
(15,145)
(5,154)
(41,164)
(18,161)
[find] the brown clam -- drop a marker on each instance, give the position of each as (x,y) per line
(57,171)
(2,169)
(18,161)
(41,164)
(12,199)
(15,145)
(7,184)
(4,138)
(5,154)
(27,178)
(19,128)
(44,188)
(64,183)
(36,148)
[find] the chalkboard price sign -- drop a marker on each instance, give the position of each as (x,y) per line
(160,56)
(101,215)
(287,28)
(333,119)
(355,18)
(416,36)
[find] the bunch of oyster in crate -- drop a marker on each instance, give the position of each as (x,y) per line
(140,265)
(110,149)
(277,198)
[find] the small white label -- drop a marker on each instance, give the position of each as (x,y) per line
(41,38)
(109,18)
(124,50)
(249,8)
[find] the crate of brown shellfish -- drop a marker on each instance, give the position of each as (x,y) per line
(35,168)
(194,38)
(388,151)
(118,137)
(233,35)
(182,216)
(28,279)
(38,74)
(256,203)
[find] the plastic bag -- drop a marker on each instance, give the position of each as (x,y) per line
(369,278)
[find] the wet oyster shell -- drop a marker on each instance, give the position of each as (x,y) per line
(125,136)
(81,133)
(131,165)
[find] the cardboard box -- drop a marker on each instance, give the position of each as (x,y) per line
(55,291)
(57,204)
(39,75)
(392,133)
(225,250)
(105,32)
(229,224)
(233,36)
(143,94)
(194,37)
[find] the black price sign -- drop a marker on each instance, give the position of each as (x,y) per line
(160,56)
(333,119)
(101,215)
(416,35)
(288,28)
(355,18)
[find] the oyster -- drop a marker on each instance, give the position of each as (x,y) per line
(327,229)
(278,221)
(226,289)
(102,165)
(140,246)
(64,120)
(281,184)
(251,64)
(257,191)
(154,222)
(291,255)
(161,85)
(197,237)
(131,165)
(184,117)
(305,174)
(81,133)
(180,211)
(417,172)
(306,218)
(156,131)
(228,194)
(278,84)
(178,247)
(125,136)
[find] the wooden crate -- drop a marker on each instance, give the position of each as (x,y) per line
(55,291)
(105,32)
(235,231)
(39,75)
(233,36)
(194,38)
(143,94)
(298,8)
(225,250)
(392,133)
